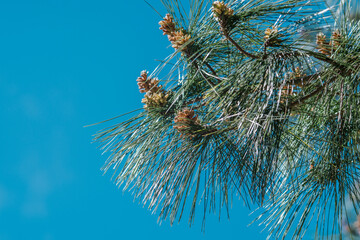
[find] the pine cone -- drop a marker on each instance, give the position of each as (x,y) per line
(178,39)
(270,31)
(155,99)
(184,120)
(288,91)
(167,25)
(298,73)
(335,40)
(145,84)
(323,45)
(272,36)
(221,10)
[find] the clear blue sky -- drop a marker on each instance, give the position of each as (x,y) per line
(65,64)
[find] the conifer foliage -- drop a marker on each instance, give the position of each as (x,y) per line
(260,102)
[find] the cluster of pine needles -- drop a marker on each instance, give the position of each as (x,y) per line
(261,102)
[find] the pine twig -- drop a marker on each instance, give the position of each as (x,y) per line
(238,46)
(210,68)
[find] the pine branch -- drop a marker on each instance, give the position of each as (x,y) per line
(238,46)
(281,132)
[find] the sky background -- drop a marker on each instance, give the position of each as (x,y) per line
(63,65)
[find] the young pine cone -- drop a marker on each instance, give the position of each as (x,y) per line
(155,99)
(148,84)
(270,31)
(167,25)
(298,73)
(323,45)
(155,96)
(288,91)
(271,36)
(178,39)
(184,120)
(221,10)
(335,40)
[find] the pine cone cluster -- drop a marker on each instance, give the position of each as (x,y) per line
(155,96)
(270,31)
(155,99)
(184,120)
(146,85)
(288,91)
(294,87)
(167,25)
(271,36)
(178,38)
(326,47)
(222,13)
(221,10)
(298,73)
(322,44)
(335,39)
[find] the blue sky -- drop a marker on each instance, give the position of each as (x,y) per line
(63,65)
